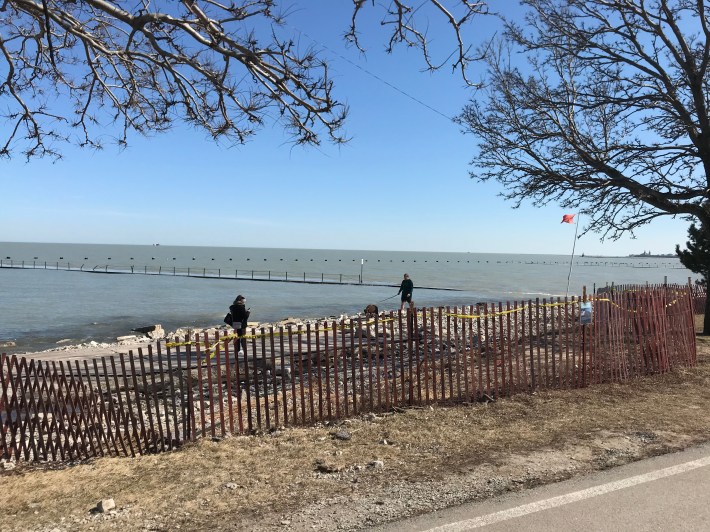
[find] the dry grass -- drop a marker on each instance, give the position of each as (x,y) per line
(189,489)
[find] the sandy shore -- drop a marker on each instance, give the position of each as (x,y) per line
(123,345)
(136,341)
(89,350)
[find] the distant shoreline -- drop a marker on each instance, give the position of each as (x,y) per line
(170,247)
(640,256)
(647,256)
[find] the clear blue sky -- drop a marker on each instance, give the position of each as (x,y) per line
(400,184)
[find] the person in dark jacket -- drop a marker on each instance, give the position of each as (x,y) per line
(406,289)
(240,316)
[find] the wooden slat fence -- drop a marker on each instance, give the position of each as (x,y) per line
(697,291)
(154,400)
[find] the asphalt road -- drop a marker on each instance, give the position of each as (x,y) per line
(665,493)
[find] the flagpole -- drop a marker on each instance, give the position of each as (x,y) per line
(572,257)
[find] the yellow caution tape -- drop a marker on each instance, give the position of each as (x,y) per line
(493,314)
(523,307)
(230,337)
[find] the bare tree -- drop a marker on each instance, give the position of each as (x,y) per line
(69,68)
(608,115)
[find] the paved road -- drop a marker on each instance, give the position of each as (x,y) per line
(666,493)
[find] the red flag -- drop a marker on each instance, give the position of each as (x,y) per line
(568,218)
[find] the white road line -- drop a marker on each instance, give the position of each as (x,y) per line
(561,500)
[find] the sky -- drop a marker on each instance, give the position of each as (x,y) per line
(401,183)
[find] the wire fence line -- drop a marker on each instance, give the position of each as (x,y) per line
(187,272)
(187,388)
(214,273)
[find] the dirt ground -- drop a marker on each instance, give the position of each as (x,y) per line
(370,470)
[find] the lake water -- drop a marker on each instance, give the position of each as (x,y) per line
(39,307)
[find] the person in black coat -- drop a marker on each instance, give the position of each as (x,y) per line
(406,289)
(240,316)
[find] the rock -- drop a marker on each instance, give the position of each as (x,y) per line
(156,333)
(8,343)
(7,466)
(364,332)
(231,485)
(485,398)
(377,464)
(342,435)
(324,467)
(182,332)
(147,328)
(105,505)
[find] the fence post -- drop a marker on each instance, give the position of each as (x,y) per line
(584,341)
(533,381)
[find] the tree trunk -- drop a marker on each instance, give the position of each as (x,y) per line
(706,321)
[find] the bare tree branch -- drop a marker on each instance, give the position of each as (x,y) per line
(401,17)
(76,68)
(609,116)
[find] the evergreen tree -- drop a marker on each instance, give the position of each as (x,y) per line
(697,259)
